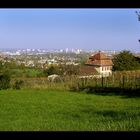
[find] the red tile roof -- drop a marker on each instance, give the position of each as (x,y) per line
(99,59)
(98,56)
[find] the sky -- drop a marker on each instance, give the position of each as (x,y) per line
(87,29)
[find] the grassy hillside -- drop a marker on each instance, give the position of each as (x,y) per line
(57,110)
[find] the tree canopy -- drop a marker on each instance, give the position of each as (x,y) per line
(125,60)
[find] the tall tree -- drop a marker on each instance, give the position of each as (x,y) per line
(138,14)
(125,60)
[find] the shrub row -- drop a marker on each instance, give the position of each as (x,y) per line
(5,82)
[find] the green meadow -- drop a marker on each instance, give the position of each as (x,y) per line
(50,110)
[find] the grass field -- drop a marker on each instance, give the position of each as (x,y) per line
(44,110)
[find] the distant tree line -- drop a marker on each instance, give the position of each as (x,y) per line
(61,70)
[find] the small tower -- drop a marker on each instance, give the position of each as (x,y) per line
(101,63)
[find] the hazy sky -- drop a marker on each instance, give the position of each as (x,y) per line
(97,29)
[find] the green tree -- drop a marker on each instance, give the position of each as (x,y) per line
(70,70)
(125,60)
(1,65)
(4,80)
(50,70)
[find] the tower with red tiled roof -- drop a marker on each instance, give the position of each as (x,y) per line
(101,63)
(99,59)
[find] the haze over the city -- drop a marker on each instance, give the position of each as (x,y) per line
(88,29)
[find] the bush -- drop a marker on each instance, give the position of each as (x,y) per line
(18,84)
(4,81)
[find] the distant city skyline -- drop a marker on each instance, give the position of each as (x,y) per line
(87,29)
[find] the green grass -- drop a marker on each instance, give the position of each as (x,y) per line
(44,110)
